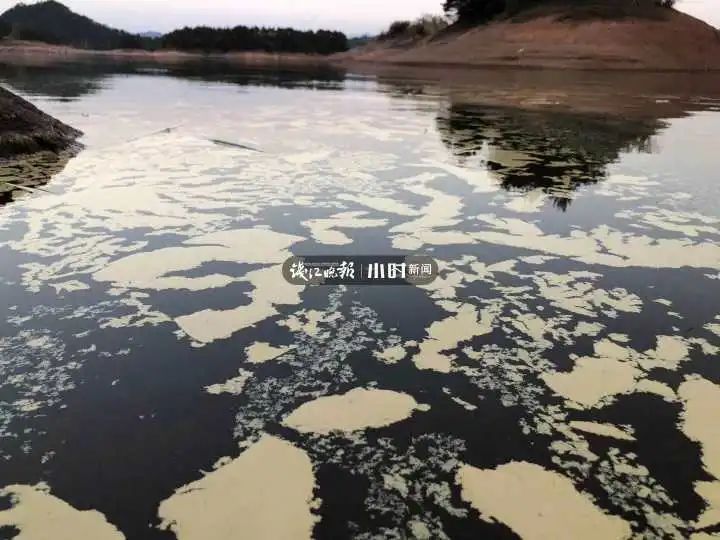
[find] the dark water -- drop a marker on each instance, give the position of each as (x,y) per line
(559,380)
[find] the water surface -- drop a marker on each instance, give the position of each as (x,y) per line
(559,380)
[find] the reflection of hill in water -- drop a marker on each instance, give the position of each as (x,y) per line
(545,129)
(555,152)
(69,80)
(65,82)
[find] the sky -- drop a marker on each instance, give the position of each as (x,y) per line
(354,17)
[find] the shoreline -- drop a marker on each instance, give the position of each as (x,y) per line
(30,49)
(636,93)
(507,66)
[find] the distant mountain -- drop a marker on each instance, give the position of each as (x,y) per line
(151,35)
(52,22)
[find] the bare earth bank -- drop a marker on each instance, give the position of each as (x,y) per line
(13,50)
(669,41)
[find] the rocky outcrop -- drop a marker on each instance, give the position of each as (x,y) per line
(25,129)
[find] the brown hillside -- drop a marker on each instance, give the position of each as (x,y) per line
(578,38)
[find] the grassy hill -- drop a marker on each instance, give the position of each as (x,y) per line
(52,22)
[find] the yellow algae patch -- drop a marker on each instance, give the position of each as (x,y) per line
(532,326)
(355,410)
(257,245)
(381,204)
(419,530)
(655,387)
(442,211)
(593,379)
(232,386)
(537,504)
(149,270)
(704,536)
(448,333)
(587,329)
(324,230)
(391,355)
(610,349)
(140,205)
(530,202)
(480,179)
(603,246)
(270,291)
(606,430)
(710,491)
(40,516)
(713,327)
(265,493)
(70,286)
(670,351)
(617,369)
(259,352)
(311,323)
(701,400)
(644,251)
(582,297)
(678,222)
(701,403)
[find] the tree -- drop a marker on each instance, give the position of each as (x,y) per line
(244,38)
(474,11)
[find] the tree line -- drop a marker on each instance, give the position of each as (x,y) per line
(246,38)
(52,22)
(425,26)
(482,10)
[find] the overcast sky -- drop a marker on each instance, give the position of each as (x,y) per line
(352,16)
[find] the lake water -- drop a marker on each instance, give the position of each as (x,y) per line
(560,379)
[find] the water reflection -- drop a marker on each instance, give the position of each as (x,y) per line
(535,131)
(61,81)
(67,80)
(555,152)
(566,353)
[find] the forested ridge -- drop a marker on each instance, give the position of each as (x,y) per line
(52,22)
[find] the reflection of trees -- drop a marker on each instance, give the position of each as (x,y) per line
(65,82)
(70,80)
(317,77)
(552,151)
